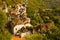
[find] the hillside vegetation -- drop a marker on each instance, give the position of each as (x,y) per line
(41,12)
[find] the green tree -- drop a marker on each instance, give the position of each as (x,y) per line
(4,35)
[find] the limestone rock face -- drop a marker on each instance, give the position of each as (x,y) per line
(18,17)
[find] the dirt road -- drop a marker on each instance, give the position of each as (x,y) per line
(17,38)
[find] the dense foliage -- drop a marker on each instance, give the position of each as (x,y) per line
(43,12)
(4,35)
(40,12)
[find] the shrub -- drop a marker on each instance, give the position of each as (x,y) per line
(4,35)
(36,36)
